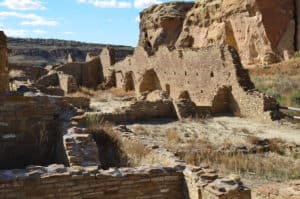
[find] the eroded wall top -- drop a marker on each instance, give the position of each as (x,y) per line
(4,82)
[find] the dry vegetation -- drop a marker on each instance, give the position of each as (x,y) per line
(271,165)
(102,94)
(280,81)
(129,152)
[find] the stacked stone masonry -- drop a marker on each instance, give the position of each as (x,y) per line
(56,181)
(4,82)
(208,75)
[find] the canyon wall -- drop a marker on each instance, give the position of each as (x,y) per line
(262,32)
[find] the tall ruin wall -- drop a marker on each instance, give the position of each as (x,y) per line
(211,76)
(4,81)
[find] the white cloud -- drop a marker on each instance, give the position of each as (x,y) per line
(23,4)
(1,25)
(137,19)
(30,19)
(15,32)
(23,33)
(145,3)
(107,3)
(39,32)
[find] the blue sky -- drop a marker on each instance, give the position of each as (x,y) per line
(99,21)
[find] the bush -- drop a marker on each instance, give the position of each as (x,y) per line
(296,97)
(297,54)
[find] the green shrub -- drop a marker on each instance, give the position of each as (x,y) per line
(296,97)
(297,54)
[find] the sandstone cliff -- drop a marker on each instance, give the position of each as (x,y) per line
(261,30)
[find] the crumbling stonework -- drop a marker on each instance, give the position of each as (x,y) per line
(70,58)
(213,77)
(31,130)
(108,58)
(67,83)
(4,83)
(138,111)
(56,181)
(87,74)
(248,26)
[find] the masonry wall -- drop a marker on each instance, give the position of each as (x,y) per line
(87,183)
(30,130)
(200,72)
(88,74)
(4,82)
(139,111)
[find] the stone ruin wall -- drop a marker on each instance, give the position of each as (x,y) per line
(4,82)
(30,130)
(261,31)
(93,183)
(88,74)
(203,73)
(84,178)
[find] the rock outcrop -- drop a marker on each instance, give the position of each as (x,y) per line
(4,83)
(259,30)
(161,24)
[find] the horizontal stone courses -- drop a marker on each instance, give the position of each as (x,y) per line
(58,171)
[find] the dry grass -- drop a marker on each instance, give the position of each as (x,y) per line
(285,88)
(253,140)
(135,151)
(83,92)
(274,144)
(101,94)
(268,166)
(172,137)
(118,92)
(140,130)
(130,152)
(264,166)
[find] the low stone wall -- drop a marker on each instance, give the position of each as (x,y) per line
(56,181)
(138,111)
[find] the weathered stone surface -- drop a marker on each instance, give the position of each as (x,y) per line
(107,59)
(213,77)
(246,25)
(4,83)
(87,74)
(55,181)
(161,25)
(67,83)
(33,130)
(70,58)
